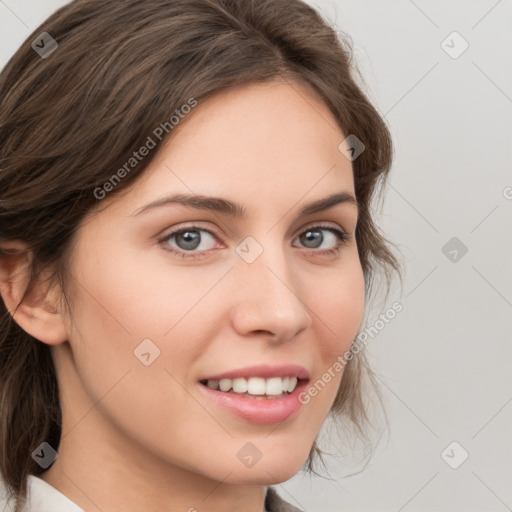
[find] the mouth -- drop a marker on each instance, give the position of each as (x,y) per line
(255,387)
(259,381)
(261,394)
(256,400)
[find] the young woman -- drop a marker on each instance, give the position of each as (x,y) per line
(186,253)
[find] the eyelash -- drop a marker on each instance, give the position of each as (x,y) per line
(340,235)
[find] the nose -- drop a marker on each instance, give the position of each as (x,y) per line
(267,298)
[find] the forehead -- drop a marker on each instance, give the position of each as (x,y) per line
(266,119)
(274,141)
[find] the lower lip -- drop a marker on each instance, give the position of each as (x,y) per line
(265,411)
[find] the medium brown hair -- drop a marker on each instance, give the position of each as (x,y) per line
(69,120)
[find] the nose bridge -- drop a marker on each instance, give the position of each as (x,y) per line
(268,291)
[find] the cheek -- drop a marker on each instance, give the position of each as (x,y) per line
(115,309)
(340,309)
(122,302)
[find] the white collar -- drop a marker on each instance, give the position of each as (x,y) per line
(43,497)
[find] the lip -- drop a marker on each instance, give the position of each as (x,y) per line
(263,370)
(263,410)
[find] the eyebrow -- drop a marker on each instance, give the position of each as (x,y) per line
(226,207)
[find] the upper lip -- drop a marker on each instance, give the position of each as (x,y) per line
(262,370)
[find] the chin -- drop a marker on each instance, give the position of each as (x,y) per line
(270,475)
(270,470)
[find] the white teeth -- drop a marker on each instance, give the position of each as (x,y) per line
(255,385)
(225,384)
(274,386)
(239,385)
(292,384)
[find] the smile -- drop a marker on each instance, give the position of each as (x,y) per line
(254,386)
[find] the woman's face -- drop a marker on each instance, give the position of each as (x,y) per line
(155,313)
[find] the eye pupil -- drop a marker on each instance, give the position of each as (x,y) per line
(191,239)
(313,235)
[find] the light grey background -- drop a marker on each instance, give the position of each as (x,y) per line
(444,361)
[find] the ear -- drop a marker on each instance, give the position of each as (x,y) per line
(38,314)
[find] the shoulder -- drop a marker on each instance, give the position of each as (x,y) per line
(274,502)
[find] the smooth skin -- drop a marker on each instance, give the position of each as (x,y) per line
(139,437)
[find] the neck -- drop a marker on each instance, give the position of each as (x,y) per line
(135,483)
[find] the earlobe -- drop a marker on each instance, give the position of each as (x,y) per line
(38,313)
